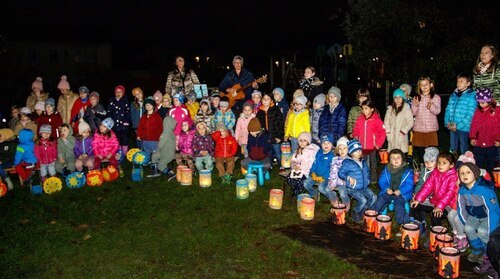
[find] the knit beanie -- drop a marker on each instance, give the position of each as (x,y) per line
(483,95)
(191,96)
(334,91)
(167,96)
(136,90)
(280,91)
(353,145)
(178,97)
(121,87)
(45,128)
(301,100)
(305,135)
(108,123)
(83,89)
(40,105)
(25,110)
(431,154)
(406,87)
(398,93)
(248,104)
(320,99)
(221,126)
(254,125)
(257,92)
(297,93)
(342,141)
(467,157)
(157,96)
(6,134)
(224,102)
(474,169)
(149,100)
(37,84)
(63,84)
(50,102)
(82,127)
(94,94)
(327,138)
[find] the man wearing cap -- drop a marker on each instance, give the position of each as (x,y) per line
(240,76)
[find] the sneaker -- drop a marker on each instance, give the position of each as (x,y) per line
(462,243)
(484,268)
(475,258)
(492,275)
(169,173)
(358,218)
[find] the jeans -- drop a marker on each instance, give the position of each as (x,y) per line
(371,159)
(477,233)
(50,168)
(322,188)
(365,197)
(384,199)
(342,193)
(277,152)
(454,220)
(149,147)
(294,142)
(485,157)
(459,141)
(207,160)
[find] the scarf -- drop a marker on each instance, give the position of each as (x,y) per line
(305,83)
(396,175)
(483,68)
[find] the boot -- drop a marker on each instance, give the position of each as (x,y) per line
(9,183)
(156,172)
(484,268)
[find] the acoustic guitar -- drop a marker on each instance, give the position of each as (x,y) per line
(239,91)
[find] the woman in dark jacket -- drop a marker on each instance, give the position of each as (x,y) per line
(271,119)
(310,84)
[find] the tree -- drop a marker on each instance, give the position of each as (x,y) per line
(407,242)
(382,233)
(448,270)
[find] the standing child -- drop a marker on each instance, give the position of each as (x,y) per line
(179,112)
(370,131)
(332,121)
(65,153)
(459,113)
(241,133)
(94,113)
(398,122)
(46,152)
(203,148)
(137,110)
(205,114)
(256,101)
(83,148)
(26,122)
(119,111)
(14,113)
(280,101)
(225,115)
(354,171)
(105,144)
(149,128)
(166,148)
(215,101)
(39,110)
(79,107)
(166,105)
(192,105)
(297,122)
(66,100)
(362,95)
(37,94)
(259,145)
(225,149)
(320,171)
(185,146)
(317,109)
(51,117)
(158,98)
(25,159)
(407,89)
(8,146)
(302,161)
(334,182)
(271,120)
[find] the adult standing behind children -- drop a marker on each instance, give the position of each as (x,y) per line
(487,71)
(66,100)
(241,76)
(311,84)
(180,79)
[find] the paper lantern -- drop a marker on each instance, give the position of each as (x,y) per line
(286,160)
(242,189)
(307,208)
(131,153)
(252,182)
(110,173)
(384,156)
(243,170)
(179,172)
(409,236)
(286,147)
(369,221)
(384,227)
(496,176)
(416,176)
(275,198)
(140,158)
(436,230)
(299,200)
(3,189)
(338,214)
(94,178)
(52,185)
(442,240)
(205,179)
(186,176)
(137,173)
(449,262)
(36,190)
(75,180)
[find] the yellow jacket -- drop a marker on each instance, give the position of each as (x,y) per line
(193,109)
(297,123)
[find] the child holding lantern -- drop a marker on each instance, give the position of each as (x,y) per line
(334,182)
(302,161)
(225,149)
(320,171)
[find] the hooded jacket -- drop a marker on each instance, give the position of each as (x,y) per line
(206,117)
(83,146)
(65,147)
(165,152)
(65,104)
(321,166)
(395,124)
(25,151)
(54,120)
(94,115)
(241,132)
(305,159)
(351,168)
(485,127)
(426,119)
(46,151)
(333,124)
(180,114)
(297,123)
(185,144)
(272,121)
(259,147)
(224,147)
(201,143)
(370,131)
(405,186)
(443,188)
(460,109)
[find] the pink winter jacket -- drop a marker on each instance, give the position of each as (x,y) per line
(103,145)
(185,145)
(241,133)
(426,119)
(305,159)
(180,114)
(442,189)
(370,132)
(46,151)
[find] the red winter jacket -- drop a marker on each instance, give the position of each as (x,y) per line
(370,132)
(104,145)
(54,120)
(46,151)
(224,147)
(442,187)
(150,127)
(485,127)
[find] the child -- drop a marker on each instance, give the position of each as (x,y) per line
(179,112)
(256,101)
(484,130)
(398,122)
(407,89)
(25,159)
(430,162)
(458,114)
(119,111)
(302,161)
(65,153)
(215,101)
(320,171)
(225,149)
(185,146)
(333,119)
(297,122)
(158,98)
(370,131)
(149,128)
(192,105)
(317,109)
(66,100)
(105,144)
(426,106)
(362,95)
(137,110)
(354,171)
(205,114)
(334,182)
(14,113)
(203,148)
(259,145)
(83,148)
(8,146)
(46,152)
(166,105)
(225,115)
(280,101)
(166,148)
(478,209)
(241,133)
(25,122)
(396,185)
(271,120)
(39,110)
(51,117)
(37,94)
(79,107)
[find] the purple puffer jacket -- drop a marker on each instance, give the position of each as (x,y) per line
(202,143)
(83,146)
(333,179)
(185,145)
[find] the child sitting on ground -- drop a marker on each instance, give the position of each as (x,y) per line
(83,148)
(225,149)
(320,171)
(105,144)
(65,153)
(241,133)
(203,148)
(46,152)
(302,161)
(185,146)
(334,182)
(259,146)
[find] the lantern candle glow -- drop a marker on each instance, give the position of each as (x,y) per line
(179,172)
(275,198)
(252,182)
(186,177)
(436,230)
(205,178)
(384,227)
(338,214)
(299,200)
(307,209)
(496,176)
(242,189)
(384,156)
(370,222)
(286,160)
(449,262)
(409,236)
(442,240)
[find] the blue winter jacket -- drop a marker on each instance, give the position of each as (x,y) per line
(119,111)
(461,109)
(25,151)
(405,187)
(321,165)
(351,168)
(333,124)
(480,201)
(283,106)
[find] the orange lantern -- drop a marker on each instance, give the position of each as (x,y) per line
(409,236)
(3,189)
(179,172)
(307,208)
(449,262)
(384,156)
(496,176)
(186,176)
(384,227)
(442,240)
(286,160)
(299,200)
(110,173)
(94,178)
(338,214)
(436,230)
(369,221)
(275,198)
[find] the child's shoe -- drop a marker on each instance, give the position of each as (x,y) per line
(484,268)
(475,258)
(156,172)
(493,275)
(462,243)
(9,183)
(169,173)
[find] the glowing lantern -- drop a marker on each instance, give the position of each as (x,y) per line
(275,198)
(242,189)
(369,221)
(94,178)
(338,214)
(496,176)
(299,200)
(307,208)
(75,180)
(384,156)
(179,172)
(205,178)
(186,176)
(252,182)
(52,185)
(140,158)
(449,262)
(286,160)
(131,153)
(286,147)
(436,230)
(442,240)
(3,189)
(409,236)
(384,227)
(110,173)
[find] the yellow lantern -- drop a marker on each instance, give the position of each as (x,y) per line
(449,262)
(299,200)
(307,209)
(286,160)
(369,221)
(205,178)
(130,154)
(52,185)
(186,176)
(275,198)
(179,172)
(242,189)
(252,182)
(435,231)
(384,227)
(410,234)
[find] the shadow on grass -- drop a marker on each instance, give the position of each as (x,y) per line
(348,242)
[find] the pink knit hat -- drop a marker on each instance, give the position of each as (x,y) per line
(157,96)
(63,84)
(37,84)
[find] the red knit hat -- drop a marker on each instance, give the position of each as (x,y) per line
(121,87)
